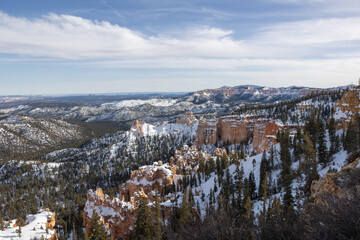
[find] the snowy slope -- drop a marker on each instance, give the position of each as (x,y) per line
(35,227)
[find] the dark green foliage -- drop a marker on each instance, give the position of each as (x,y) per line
(96,230)
(264,168)
(309,165)
(148,224)
(321,149)
(351,142)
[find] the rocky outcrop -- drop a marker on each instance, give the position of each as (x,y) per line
(137,126)
(187,118)
(119,214)
(207,132)
(343,184)
(236,129)
(50,224)
(347,108)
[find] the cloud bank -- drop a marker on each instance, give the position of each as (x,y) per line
(70,37)
(321,49)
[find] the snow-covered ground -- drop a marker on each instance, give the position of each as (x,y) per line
(35,227)
(134,103)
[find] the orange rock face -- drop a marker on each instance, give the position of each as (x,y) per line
(117,215)
(207,132)
(50,224)
(347,108)
(137,125)
(343,184)
(188,119)
(235,130)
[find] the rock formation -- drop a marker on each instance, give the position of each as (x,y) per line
(187,118)
(347,108)
(115,214)
(343,184)
(119,214)
(207,132)
(236,129)
(137,125)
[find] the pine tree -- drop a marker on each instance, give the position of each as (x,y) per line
(248,207)
(157,219)
(275,214)
(264,167)
(2,224)
(184,211)
(96,231)
(144,225)
(252,186)
(350,142)
(309,165)
(322,150)
(285,158)
(332,137)
(264,196)
(286,173)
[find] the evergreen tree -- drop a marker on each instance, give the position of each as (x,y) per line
(264,196)
(286,174)
(184,211)
(274,213)
(2,224)
(97,230)
(332,137)
(322,150)
(157,219)
(350,142)
(285,158)
(264,167)
(252,186)
(309,165)
(144,225)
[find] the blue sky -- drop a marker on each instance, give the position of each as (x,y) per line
(107,46)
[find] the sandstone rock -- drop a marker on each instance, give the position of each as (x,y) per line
(343,184)
(347,108)
(50,224)
(137,125)
(188,119)
(206,133)
(236,129)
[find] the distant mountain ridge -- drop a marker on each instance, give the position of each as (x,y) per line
(155,107)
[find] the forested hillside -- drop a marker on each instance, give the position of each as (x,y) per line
(214,193)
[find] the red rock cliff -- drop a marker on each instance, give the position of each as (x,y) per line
(236,129)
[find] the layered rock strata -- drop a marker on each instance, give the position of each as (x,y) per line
(236,129)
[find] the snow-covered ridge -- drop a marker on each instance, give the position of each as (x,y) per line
(135,103)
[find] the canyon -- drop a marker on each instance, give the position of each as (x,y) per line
(119,213)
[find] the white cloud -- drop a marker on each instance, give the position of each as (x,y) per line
(66,36)
(300,50)
(317,31)
(70,37)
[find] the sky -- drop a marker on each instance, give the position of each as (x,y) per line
(112,46)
